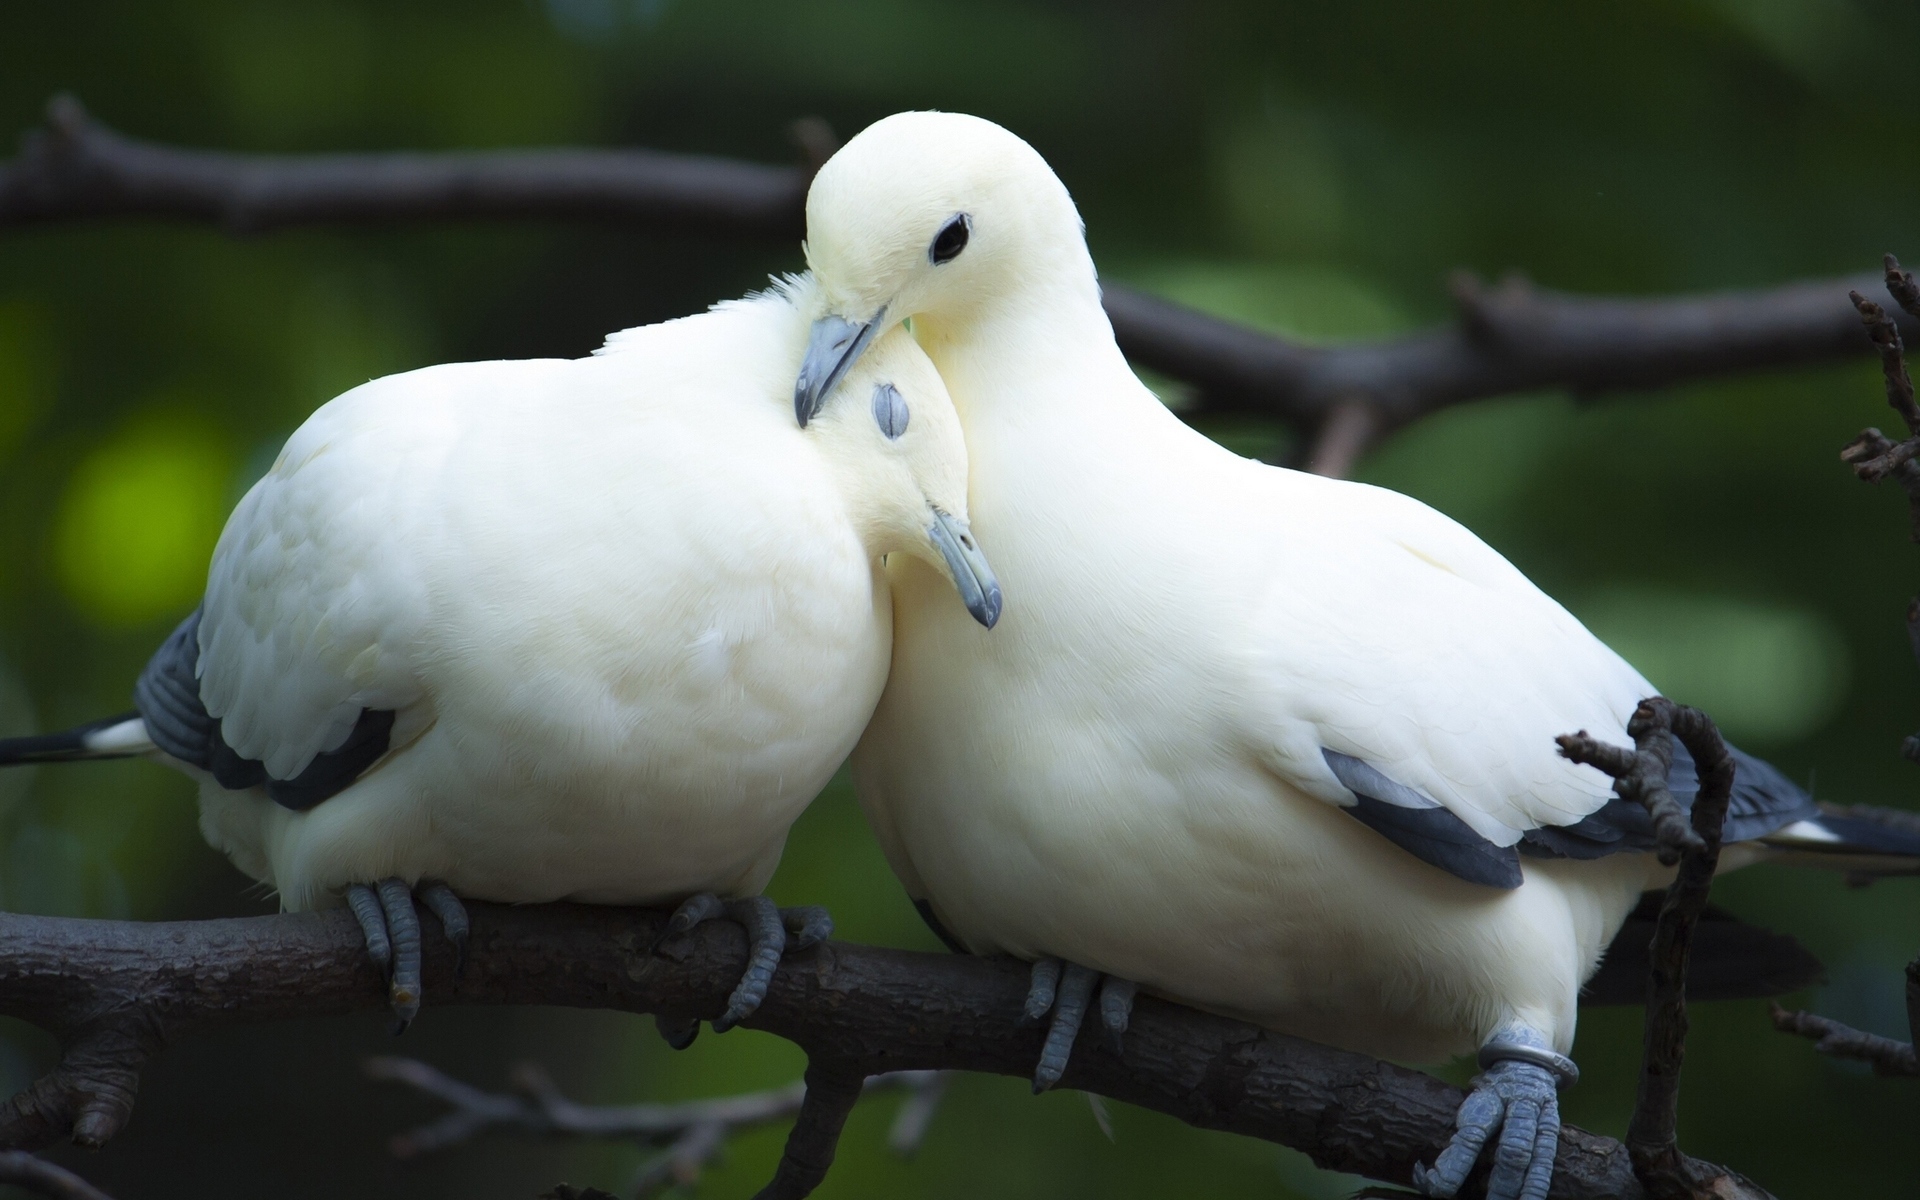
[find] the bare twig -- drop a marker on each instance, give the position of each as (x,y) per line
(1640,774)
(881,1010)
(1350,427)
(693,1133)
(1873,455)
(1887,1056)
(1514,337)
(42,1178)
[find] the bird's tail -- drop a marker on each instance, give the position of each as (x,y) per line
(1861,839)
(123,736)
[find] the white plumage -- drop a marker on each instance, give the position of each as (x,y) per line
(627,613)
(1137,772)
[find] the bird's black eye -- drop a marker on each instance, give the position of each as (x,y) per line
(951,239)
(889,410)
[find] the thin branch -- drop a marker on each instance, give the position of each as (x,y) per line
(1509,338)
(1641,774)
(1873,455)
(694,1133)
(880,1010)
(77,168)
(43,1178)
(1887,1056)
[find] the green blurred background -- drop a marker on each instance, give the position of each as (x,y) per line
(1310,168)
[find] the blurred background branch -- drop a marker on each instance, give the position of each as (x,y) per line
(693,1133)
(1510,338)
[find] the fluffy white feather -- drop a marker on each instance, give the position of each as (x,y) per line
(1128,772)
(630,615)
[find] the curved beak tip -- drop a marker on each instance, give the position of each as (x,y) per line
(987,612)
(979,588)
(833,345)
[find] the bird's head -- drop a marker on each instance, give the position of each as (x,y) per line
(931,216)
(891,435)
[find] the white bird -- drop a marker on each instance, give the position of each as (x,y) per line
(1274,745)
(592,630)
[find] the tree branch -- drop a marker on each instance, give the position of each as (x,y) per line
(1887,1056)
(694,1133)
(877,1010)
(1641,775)
(43,1178)
(1509,338)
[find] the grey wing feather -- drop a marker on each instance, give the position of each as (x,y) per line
(167,696)
(1419,825)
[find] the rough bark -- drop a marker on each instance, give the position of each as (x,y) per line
(873,1009)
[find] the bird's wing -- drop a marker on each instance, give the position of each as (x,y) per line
(315,604)
(1410,673)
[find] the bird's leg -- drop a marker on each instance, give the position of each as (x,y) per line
(767,928)
(392,929)
(1516,1095)
(1065,989)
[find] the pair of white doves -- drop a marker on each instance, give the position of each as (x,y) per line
(1273,745)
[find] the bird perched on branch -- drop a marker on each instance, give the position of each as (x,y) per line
(1274,745)
(592,630)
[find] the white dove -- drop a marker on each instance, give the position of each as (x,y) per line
(1274,745)
(592,630)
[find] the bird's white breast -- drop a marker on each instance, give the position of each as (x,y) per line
(632,630)
(1107,777)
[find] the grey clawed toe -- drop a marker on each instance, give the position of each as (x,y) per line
(392,929)
(1517,1097)
(1065,990)
(768,940)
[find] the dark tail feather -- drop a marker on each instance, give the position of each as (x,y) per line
(1727,960)
(1861,839)
(110,737)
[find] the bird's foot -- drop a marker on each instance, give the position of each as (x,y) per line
(771,933)
(1064,989)
(392,928)
(1516,1095)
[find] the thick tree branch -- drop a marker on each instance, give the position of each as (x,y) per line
(1510,338)
(877,1010)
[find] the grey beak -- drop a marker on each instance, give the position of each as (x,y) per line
(979,590)
(832,348)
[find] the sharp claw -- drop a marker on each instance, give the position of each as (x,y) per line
(807,926)
(441,901)
(373,925)
(766,942)
(678,1032)
(403,926)
(1069,1009)
(1116,1009)
(704,906)
(1041,985)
